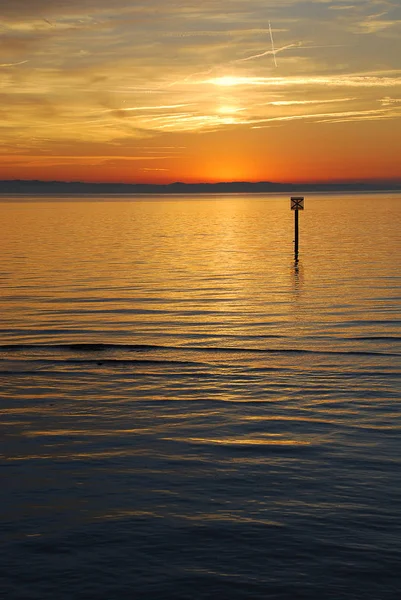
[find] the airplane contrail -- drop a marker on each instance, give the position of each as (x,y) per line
(273,48)
(22,62)
(267,52)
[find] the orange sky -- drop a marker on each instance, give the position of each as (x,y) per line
(237,90)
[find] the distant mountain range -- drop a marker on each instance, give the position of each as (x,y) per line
(33,187)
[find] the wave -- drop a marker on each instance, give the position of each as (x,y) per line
(101,347)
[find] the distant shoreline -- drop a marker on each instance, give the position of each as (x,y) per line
(44,188)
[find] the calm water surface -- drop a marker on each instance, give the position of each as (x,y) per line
(187,413)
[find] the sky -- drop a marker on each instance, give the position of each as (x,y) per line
(200,90)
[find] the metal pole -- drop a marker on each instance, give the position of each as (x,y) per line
(297,203)
(296,239)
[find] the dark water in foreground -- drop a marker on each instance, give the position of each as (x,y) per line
(187,414)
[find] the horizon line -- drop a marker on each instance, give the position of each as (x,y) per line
(376,181)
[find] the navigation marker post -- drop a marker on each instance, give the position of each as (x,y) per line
(297,203)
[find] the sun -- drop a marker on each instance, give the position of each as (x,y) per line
(232,80)
(228,81)
(227,109)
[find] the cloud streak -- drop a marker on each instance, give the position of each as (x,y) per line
(333,81)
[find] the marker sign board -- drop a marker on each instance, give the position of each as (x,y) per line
(297,202)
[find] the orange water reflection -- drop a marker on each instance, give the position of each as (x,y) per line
(147,269)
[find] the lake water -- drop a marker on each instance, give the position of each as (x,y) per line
(188,413)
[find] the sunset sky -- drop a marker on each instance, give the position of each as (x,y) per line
(200,90)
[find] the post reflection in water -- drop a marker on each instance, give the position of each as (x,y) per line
(298,275)
(187,412)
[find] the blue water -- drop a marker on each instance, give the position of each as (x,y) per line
(188,413)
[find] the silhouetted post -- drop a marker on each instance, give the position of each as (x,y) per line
(297,203)
(296,238)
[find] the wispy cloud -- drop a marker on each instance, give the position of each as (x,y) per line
(308,102)
(387,101)
(332,81)
(332,117)
(374,24)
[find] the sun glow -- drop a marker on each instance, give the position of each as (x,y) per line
(226,109)
(228,81)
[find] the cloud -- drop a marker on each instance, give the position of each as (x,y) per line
(333,81)
(308,102)
(150,169)
(342,7)
(387,101)
(332,117)
(374,24)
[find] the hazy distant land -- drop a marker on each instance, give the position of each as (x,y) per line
(28,187)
